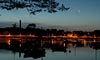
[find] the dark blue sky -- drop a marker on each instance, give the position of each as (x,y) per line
(81,13)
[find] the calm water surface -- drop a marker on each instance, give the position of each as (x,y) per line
(51,50)
(83,53)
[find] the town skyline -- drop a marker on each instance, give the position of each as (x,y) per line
(54,26)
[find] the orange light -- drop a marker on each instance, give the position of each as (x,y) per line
(70,35)
(9,34)
(8,42)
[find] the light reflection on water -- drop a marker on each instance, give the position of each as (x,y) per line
(54,50)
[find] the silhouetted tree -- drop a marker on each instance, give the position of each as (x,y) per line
(31,26)
(14,25)
(33,6)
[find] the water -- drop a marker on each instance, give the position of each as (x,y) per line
(79,54)
(49,49)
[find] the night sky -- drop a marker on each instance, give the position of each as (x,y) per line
(81,13)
